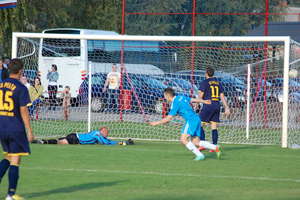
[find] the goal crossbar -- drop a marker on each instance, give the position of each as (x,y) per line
(158,38)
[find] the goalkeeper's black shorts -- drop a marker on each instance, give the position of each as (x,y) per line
(71,138)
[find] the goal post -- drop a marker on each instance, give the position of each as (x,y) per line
(165,60)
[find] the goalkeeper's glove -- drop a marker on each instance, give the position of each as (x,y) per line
(122,143)
(130,142)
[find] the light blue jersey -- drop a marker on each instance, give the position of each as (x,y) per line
(181,105)
(94,137)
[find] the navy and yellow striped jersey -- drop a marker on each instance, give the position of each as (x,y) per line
(212,88)
(13,95)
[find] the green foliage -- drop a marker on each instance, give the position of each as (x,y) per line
(37,15)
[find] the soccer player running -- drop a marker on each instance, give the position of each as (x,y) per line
(191,130)
(211,89)
(14,123)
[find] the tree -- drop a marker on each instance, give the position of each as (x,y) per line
(35,16)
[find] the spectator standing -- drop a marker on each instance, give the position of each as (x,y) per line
(6,61)
(52,77)
(113,84)
(24,80)
(3,71)
(35,93)
(66,96)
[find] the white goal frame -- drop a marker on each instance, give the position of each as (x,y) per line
(285,39)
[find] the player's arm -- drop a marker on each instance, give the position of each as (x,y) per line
(103,140)
(163,121)
(223,99)
(26,120)
(110,142)
(200,99)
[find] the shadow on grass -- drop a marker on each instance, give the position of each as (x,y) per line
(227,149)
(241,147)
(73,188)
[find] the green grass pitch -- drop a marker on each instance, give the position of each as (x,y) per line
(158,170)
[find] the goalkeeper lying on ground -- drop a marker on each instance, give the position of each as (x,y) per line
(93,137)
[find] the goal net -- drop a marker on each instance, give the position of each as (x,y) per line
(118,81)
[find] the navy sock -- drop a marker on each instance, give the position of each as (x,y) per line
(13,176)
(4,165)
(215,136)
(202,135)
(50,141)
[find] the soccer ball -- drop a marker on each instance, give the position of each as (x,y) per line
(293,73)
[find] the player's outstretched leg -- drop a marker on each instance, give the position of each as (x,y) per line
(213,147)
(42,141)
(190,146)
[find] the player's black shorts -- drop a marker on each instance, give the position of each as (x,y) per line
(71,138)
(210,113)
(15,144)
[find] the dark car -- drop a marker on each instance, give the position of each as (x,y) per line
(258,86)
(143,93)
(181,86)
(276,90)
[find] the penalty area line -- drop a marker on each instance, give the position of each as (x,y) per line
(254,178)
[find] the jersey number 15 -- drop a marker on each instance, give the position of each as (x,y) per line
(6,101)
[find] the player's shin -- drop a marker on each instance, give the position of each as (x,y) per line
(202,135)
(13,177)
(190,146)
(52,141)
(207,145)
(215,136)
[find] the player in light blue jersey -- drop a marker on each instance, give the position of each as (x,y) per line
(93,137)
(190,132)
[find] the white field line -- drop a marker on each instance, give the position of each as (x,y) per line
(254,178)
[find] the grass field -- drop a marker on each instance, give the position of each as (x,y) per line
(158,170)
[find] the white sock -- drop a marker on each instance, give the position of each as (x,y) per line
(207,145)
(190,146)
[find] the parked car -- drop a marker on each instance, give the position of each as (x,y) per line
(181,86)
(277,90)
(257,86)
(146,93)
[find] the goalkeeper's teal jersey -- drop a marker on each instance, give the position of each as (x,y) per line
(94,137)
